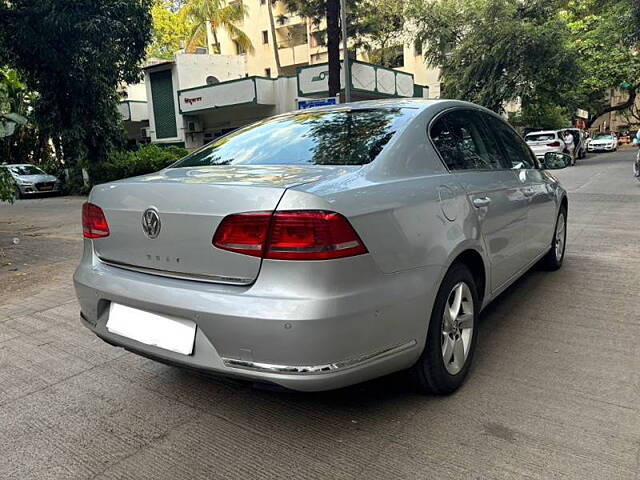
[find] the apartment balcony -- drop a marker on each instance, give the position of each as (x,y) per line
(133,111)
(250,91)
(288,20)
(291,54)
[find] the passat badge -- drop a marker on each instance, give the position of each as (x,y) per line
(151,223)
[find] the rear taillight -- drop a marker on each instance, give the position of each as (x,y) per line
(94,223)
(553,144)
(290,235)
(312,235)
(244,233)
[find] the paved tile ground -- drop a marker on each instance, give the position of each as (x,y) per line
(554,392)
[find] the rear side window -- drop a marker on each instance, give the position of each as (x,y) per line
(343,137)
(463,142)
(519,155)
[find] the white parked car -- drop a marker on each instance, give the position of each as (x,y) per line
(605,142)
(545,141)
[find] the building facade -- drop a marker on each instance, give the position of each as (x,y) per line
(194,98)
(298,42)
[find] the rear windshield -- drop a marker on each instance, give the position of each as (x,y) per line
(347,137)
(540,137)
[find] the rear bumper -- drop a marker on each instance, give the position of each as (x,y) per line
(303,337)
(541,153)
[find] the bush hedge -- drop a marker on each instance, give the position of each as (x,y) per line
(148,159)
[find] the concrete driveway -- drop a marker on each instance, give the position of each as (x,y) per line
(554,392)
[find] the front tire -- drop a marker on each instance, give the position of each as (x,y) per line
(452,335)
(555,256)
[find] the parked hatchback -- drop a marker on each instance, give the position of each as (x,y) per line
(322,248)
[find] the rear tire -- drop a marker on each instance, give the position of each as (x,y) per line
(452,335)
(555,256)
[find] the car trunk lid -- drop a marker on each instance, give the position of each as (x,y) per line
(190,203)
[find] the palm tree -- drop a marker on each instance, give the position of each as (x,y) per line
(218,14)
(276,52)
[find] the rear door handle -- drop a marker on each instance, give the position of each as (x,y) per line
(481,202)
(529,192)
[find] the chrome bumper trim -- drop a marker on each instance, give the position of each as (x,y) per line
(317,369)
(179,276)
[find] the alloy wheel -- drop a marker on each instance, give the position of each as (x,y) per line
(560,236)
(457,328)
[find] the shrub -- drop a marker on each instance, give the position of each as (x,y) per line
(7,186)
(148,159)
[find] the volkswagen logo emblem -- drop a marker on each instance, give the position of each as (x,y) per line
(151,223)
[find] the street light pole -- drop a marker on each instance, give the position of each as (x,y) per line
(345,43)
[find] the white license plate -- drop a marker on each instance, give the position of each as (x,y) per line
(163,331)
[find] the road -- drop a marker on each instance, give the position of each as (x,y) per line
(554,392)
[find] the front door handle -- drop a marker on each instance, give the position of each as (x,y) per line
(481,202)
(529,192)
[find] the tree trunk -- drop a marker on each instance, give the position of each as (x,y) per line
(276,52)
(633,94)
(215,40)
(333,46)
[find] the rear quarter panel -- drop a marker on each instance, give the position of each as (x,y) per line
(408,210)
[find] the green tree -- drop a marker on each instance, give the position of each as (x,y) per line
(544,116)
(493,52)
(25,144)
(75,53)
(603,33)
(11,89)
(328,10)
(378,28)
(218,15)
(13,107)
(170,30)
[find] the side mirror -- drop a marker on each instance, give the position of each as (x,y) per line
(556,161)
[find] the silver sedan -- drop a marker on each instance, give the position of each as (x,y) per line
(30,180)
(326,247)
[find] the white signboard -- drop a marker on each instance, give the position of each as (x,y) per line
(363,76)
(404,85)
(220,95)
(316,79)
(386,81)
(582,114)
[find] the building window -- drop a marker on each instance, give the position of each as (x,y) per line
(239,49)
(267,72)
(319,39)
(265,37)
(417,48)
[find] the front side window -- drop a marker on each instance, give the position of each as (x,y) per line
(519,155)
(463,142)
(341,137)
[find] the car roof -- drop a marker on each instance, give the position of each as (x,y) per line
(414,103)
